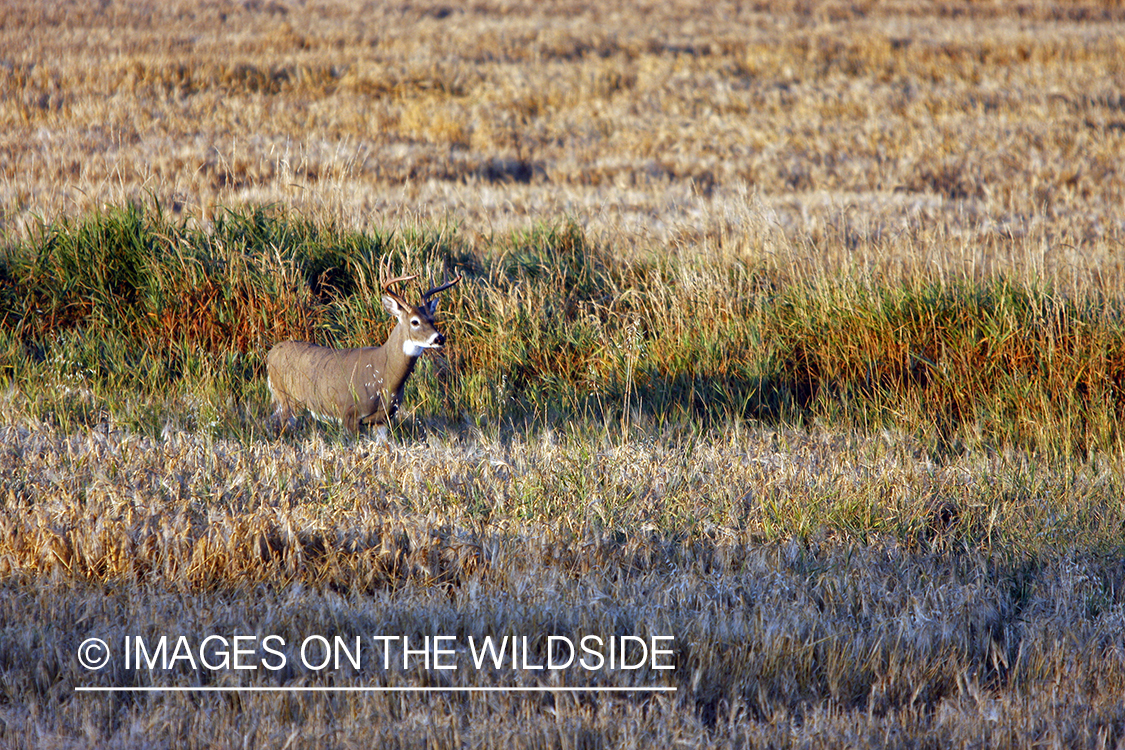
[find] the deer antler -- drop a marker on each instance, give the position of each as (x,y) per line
(426,295)
(396,279)
(387,287)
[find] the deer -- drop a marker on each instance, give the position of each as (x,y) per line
(355,386)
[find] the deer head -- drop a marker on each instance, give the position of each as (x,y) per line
(419,332)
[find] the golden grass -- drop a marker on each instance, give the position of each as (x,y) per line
(202,514)
(801,610)
(985,125)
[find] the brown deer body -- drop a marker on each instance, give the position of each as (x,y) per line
(355,386)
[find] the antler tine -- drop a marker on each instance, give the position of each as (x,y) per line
(395,280)
(426,295)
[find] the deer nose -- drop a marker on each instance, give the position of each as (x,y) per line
(439,339)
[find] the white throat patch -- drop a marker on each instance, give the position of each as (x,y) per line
(413,348)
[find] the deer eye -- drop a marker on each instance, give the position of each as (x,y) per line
(414,322)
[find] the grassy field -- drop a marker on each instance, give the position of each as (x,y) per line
(791,333)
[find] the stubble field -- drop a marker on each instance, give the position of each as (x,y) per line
(792,331)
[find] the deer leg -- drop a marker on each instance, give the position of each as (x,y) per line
(351,420)
(282,410)
(282,416)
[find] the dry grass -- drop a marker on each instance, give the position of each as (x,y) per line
(890,231)
(819,592)
(654,125)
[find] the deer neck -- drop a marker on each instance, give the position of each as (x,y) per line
(401,356)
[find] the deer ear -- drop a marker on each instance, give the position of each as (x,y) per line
(390,304)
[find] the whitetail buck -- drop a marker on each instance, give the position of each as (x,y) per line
(355,386)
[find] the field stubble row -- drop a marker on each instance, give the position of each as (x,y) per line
(807,582)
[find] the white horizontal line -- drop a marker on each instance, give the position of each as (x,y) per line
(369,689)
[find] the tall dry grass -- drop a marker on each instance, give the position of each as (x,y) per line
(552,326)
